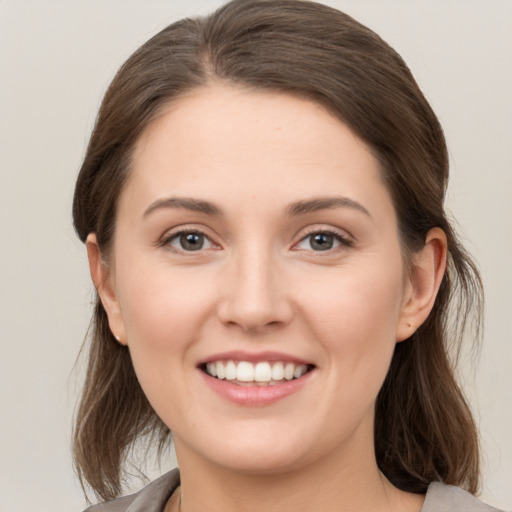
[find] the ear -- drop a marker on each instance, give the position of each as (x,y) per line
(103,280)
(423,282)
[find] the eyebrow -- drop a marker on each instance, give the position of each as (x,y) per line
(187,203)
(293,210)
(324,203)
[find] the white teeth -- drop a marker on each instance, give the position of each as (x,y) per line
(245,372)
(299,371)
(221,370)
(211,368)
(278,371)
(264,372)
(289,370)
(231,372)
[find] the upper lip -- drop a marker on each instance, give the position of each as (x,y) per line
(253,357)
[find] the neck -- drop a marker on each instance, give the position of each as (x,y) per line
(332,485)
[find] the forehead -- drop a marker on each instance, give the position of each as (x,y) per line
(224,116)
(235,143)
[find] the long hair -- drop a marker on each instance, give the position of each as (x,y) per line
(424,430)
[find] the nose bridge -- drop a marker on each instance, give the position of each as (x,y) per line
(255,295)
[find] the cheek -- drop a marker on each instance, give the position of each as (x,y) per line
(355,314)
(160,305)
(164,313)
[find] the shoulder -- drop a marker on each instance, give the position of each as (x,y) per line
(151,498)
(447,498)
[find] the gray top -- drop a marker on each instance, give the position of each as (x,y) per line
(153,498)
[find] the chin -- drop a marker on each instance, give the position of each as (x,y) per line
(260,462)
(258,452)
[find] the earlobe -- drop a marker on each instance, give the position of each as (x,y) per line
(103,281)
(424,280)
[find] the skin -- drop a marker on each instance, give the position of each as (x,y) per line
(258,284)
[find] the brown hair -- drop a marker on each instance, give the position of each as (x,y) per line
(424,430)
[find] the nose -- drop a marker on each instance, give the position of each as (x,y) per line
(255,297)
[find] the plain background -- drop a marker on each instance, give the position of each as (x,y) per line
(56,59)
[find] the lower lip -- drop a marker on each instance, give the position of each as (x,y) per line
(255,395)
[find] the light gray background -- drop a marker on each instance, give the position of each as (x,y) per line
(56,59)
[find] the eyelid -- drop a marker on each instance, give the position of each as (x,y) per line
(342,237)
(345,239)
(174,233)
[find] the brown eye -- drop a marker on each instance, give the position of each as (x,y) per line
(320,241)
(189,241)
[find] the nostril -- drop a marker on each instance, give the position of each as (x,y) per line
(254,304)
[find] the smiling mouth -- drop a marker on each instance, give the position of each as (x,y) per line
(263,373)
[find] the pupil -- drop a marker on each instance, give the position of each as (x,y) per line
(192,241)
(322,242)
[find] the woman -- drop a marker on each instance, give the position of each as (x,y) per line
(262,205)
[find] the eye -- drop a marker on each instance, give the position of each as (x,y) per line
(189,241)
(323,241)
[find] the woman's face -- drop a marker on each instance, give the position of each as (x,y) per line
(255,238)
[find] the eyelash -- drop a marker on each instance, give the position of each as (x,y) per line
(343,241)
(176,236)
